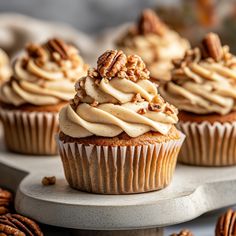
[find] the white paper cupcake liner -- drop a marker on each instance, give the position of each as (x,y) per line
(208,144)
(30,132)
(119,169)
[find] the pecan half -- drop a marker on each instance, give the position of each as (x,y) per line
(6,200)
(59,46)
(15,224)
(226,224)
(184,232)
(149,22)
(212,47)
(110,63)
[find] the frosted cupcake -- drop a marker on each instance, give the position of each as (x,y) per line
(118,135)
(155,43)
(5,68)
(203,87)
(43,82)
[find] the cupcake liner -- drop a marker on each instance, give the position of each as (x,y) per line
(119,169)
(30,132)
(208,144)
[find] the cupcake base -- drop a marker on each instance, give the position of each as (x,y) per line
(30,130)
(210,139)
(122,169)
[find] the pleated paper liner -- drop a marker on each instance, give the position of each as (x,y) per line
(30,132)
(208,144)
(119,169)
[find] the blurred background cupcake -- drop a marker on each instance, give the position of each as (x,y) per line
(118,136)
(42,82)
(155,42)
(203,88)
(5,68)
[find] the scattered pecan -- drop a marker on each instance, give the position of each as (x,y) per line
(170,109)
(15,224)
(149,22)
(6,200)
(137,98)
(142,111)
(184,232)
(59,46)
(46,181)
(110,63)
(154,107)
(226,224)
(212,47)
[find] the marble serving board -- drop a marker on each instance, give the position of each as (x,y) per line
(193,191)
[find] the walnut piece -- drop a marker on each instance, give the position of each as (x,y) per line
(58,46)
(6,200)
(15,224)
(226,224)
(110,63)
(149,22)
(46,181)
(212,47)
(184,232)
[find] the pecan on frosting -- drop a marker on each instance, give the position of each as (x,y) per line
(114,63)
(149,22)
(212,47)
(226,224)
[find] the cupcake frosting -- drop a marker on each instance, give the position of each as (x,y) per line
(44,75)
(5,69)
(117,97)
(204,81)
(155,43)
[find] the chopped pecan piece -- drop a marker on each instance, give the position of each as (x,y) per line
(154,107)
(212,47)
(36,51)
(137,98)
(15,224)
(226,224)
(110,63)
(59,46)
(184,232)
(142,111)
(149,22)
(46,181)
(94,104)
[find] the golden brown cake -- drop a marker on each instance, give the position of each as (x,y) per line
(42,82)
(118,135)
(203,88)
(155,43)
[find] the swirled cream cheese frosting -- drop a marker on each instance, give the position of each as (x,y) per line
(155,43)
(116,97)
(5,68)
(44,75)
(204,81)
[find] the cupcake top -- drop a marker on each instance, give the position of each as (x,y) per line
(155,43)
(44,75)
(116,97)
(204,81)
(5,68)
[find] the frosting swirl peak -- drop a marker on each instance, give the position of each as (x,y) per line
(204,81)
(44,75)
(117,97)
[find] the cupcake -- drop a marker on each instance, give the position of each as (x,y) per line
(5,68)
(155,43)
(203,88)
(42,82)
(118,135)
